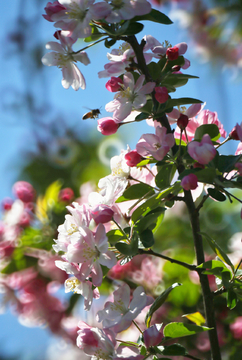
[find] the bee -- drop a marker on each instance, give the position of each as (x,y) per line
(92,114)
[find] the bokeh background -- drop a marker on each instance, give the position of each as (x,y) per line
(43,137)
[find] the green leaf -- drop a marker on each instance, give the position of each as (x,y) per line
(216,194)
(155,16)
(129,249)
(147,238)
(213,264)
(182,101)
(176,80)
(178,329)
(136,191)
(218,250)
(154,70)
(115,235)
(150,218)
(231,299)
(196,317)
(226,163)
(206,176)
(165,175)
(147,108)
(141,116)
(132,29)
(211,129)
(159,301)
(174,350)
(109,43)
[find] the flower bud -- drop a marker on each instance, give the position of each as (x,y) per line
(107,126)
(182,121)
(152,336)
(172,53)
(133,158)
(66,195)
(7,204)
(113,84)
(102,214)
(189,182)
(161,94)
(52,9)
(233,134)
(24,191)
(176,68)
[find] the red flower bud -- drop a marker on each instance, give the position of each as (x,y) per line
(113,84)
(107,126)
(233,134)
(161,94)
(133,158)
(66,195)
(182,121)
(172,53)
(24,191)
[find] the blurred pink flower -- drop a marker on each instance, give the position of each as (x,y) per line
(203,151)
(189,182)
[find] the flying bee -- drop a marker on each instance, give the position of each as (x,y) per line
(92,114)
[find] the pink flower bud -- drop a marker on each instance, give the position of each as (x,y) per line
(66,195)
(52,9)
(233,134)
(133,158)
(189,182)
(239,131)
(176,68)
(7,204)
(203,151)
(161,94)
(182,121)
(107,126)
(172,53)
(113,84)
(24,191)
(102,214)
(152,336)
(25,220)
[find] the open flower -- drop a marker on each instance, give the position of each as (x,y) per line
(119,314)
(203,151)
(63,57)
(156,145)
(131,96)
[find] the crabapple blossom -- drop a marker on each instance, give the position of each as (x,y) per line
(192,111)
(107,126)
(239,149)
(189,182)
(66,195)
(171,53)
(132,95)
(119,314)
(24,191)
(133,158)
(114,84)
(51,9)
(239,131)
(233,134)
(152,336)
(156,145)
(102,214)
(161,94)
(83,288)
(203,151)
(63,57)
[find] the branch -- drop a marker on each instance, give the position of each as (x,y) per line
(178,262)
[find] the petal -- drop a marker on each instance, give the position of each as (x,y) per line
(193,110)
(182,48)
(50,59)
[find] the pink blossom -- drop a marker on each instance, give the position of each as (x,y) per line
(156,145)
(239,149)
(107,126)
(161,94)
(114,84)
(24,191)
(132,95)
(152,336)
(189,182)
(7,203)
(63,57)
(190,112)
(102,214)
(53,8)
(66,195)
(94,341)
(203,151)
(118,315)
(239,131)
(236,328)
(127,10)
(133,158)
(171,53)
(233,134)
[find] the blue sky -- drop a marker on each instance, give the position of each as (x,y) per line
(221,92)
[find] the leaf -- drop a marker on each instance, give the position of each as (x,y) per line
(218,250)
(159,301)
(141,116)
(178,329)
(227,163)
(109,43)
(231,299)
(182,101)
(216,194)
(133,28)
(150,219)
(211,129)
(147,238)
(154,70)
(136,191)
(196,317)
(128,249)
(114,236)
(165,175)
(176,80)
(174,350)
(155,16)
